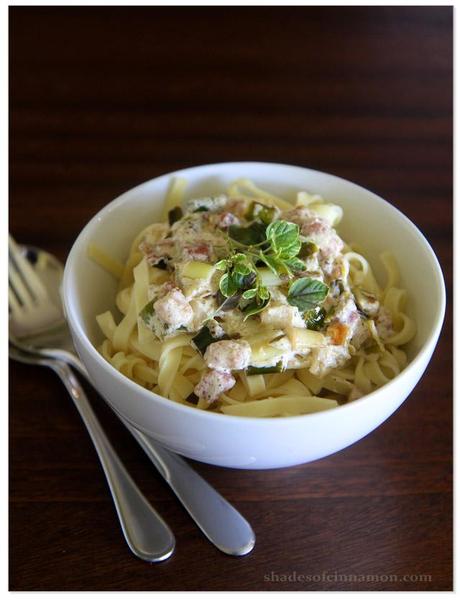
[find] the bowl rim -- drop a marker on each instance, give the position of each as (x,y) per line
(77,327)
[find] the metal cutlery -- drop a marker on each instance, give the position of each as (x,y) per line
(38,326)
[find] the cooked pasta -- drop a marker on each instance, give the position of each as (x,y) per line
(248,305)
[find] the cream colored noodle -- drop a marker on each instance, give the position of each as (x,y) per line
(173,367)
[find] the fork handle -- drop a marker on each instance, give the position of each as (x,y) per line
(147,535)
(220,522)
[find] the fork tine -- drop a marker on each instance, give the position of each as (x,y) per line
(13,301)
(26,273)
(18,288)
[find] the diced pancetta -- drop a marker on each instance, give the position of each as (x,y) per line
(228,355)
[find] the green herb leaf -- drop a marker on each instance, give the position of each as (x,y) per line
(284,238)
(295,264)
(222,264)
(263,293)
(254,307)
(273,263)
(251,235)
(227,285)
(250,293)
(242,264)
(307,293)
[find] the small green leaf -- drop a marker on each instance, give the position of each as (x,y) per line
(273,263)
(242,265)
(284,238)
(263,293)
(307,293)
(222,264)
(227,285)
(295,264)
(250,293)
(254,308)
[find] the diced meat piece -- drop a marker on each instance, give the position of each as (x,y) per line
(318,230)
(154,253)
(173,309)
(212,384)
(299,215)
(324,359)
(155,291)
(224,220)
(208,203)
(228,355)
(280,316)
(196,252)
(384,323)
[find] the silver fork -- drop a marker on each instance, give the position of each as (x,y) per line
(146,533)
(220,522)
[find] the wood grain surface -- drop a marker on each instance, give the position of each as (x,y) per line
(102,99)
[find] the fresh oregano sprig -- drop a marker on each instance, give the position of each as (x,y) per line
(276,245)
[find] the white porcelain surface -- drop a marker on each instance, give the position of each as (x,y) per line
(254,442)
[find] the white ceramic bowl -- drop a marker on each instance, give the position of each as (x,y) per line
(254,442)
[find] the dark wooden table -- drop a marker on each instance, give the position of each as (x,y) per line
(105,98)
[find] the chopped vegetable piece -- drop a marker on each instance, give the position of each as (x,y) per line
(251,235)
(204,338)
(147,313)
(265,369)
(268,278)
(308,249)
(174,215)
(315,318)
(198,270)
(262,212)
(302,338)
